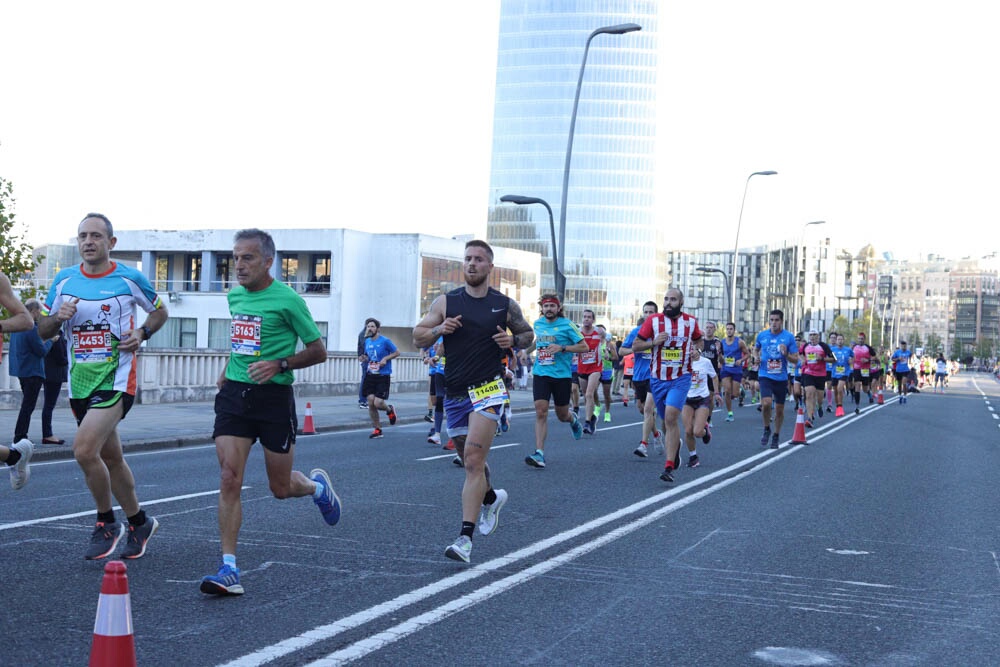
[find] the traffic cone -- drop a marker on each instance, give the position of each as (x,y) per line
(839,412)
(113,645)
(799,437)
(309,428)
(881,400)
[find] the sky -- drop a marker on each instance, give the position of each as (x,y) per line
(879,117)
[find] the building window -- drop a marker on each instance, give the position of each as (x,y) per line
(192,272)
(319,275)
(290,269)
(179,332)
(163,267)
(219,334)
(224,273)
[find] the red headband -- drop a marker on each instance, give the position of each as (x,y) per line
(549,299)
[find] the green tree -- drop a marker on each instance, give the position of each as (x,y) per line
(16,259)
(934,344)
(914,341)
(983,349)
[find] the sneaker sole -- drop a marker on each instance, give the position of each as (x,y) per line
(533,463)
(114,545)
(325,478)
(641,455)
(142,551)
(213,588)
(496,515)
(455,554)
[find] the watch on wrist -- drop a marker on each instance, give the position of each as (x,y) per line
(283,364)
(146,331)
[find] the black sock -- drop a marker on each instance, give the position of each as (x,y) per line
(138,518)
(490,497)
(106,517)
(467,528)
(13,457)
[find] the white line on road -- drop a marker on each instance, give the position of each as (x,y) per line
(451,455)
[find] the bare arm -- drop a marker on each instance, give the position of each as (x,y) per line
(133,339)
(19,319)
(435,324)
(524,335)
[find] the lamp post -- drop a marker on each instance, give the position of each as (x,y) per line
(802,236)
(620,29)
(557,274)
(736,251)
(725,278)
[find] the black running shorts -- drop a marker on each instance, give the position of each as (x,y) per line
(264,412)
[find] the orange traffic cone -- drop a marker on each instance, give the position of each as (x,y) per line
(309,428)
(113,645)
(881,400)
(839,412)
(799,437)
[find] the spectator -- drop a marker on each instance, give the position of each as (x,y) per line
(27,364)
(362,399)
(56,367)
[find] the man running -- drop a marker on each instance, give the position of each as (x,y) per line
(95,306)
(901,370)
(609,357)
(18,455)
(671,335)
(842,369)
(734,350)
(814,354)
(255,399)
(862,371)
(776,349)
(940,373)
(589,369)
(640,381)
(474,321)
(556,339)
(379,353)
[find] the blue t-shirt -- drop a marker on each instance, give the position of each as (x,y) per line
(902,359)
(842,361)
(772,364)
(641,369)
(377,349)
(732,355)
(559,331)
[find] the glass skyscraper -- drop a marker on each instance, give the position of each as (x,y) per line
(615,257)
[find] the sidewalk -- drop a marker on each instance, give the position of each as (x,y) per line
(180,424)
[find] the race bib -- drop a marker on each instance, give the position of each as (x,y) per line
(488,395)
(774,365)
(865,372)
(373,368)
(588,357)
(545,358)
(245,334)
(92,343)
(671,355)
(839,369)
(730,361)
(811,357)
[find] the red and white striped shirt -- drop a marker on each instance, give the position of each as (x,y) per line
(672,358)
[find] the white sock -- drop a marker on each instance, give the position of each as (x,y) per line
(319,490)
(229,559)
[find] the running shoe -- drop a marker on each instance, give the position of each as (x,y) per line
(774,441)
(450,445)
(135,543)
(829,408)
(809,424)
(226,582)
(377,433)
(819,413)
(677,460)
(707,438)
(104,539)
(871,399)
(764,438)
(730,417)
(489,515)
(597,411)
(857,411)
(392,416)
(458,461)
(625,401)
(503,422)
(759,408)
(593,425)
(328,502)
(576,427)
(607,417)
(434,439)
(658,443)
(20,471)
(430,432)
(666,475)
(461,550)
(587,429)
(536,460)
(429,418)
(693,461)
(363,405)
(576,410)
(641,451)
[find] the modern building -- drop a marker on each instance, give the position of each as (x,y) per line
(345,276)
(614,257)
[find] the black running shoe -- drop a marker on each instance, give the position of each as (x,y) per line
(774,441)
(104,539)
(693,461)
(666,476)
(135,545)
(764,438)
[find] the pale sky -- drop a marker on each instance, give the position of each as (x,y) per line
(880,117)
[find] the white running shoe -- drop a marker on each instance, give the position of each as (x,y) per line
(461,550)
(20,471)
(489,515)
(434,439)
(641,450)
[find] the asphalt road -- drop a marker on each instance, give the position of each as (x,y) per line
(874,545)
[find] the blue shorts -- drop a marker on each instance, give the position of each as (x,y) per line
(606,376)
(771,388)
(670,392)
(736,373)
(457,410)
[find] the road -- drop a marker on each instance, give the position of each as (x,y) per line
(876,544)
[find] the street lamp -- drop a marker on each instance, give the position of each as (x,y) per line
(802,236)
(557,274)
(620,29)
(736,251)
(725,278)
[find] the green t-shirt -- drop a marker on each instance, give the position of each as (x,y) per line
(266,325)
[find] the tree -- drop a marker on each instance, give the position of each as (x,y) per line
(983,349)
(934,344)
(914,340)
(16,259)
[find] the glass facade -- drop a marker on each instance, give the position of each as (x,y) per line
(614,259)
(439,276)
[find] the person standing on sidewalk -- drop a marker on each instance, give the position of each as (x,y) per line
(56,364)
(379,353)
(27,364)
(362,401)
(255,399)
(556,339)
(94,304)
(18,455)
(474,321)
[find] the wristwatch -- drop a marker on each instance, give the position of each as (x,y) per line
(284,365)
(146,331)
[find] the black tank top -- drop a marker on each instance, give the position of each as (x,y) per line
(711,352)
(473,356)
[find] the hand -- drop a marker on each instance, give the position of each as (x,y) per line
(503,339)
(782,350)
(262,371)
(449,325)
(660,338)
(67,310)
(131,341)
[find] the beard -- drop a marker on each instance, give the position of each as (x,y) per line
(476,280)
(672,312)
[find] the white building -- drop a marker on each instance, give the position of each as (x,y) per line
(345,276)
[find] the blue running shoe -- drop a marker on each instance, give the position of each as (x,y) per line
(576,427)
(329,502)
(226,582)
(536,460)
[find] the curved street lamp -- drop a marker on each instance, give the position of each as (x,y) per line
(725,278)
(736,251)
(620,29)
(557,274)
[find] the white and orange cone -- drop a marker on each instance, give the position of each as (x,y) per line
(114,644)
(799,437)
(881,399)
(309,428)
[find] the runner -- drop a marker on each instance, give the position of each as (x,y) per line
(698,405)
(435,362)
(734,352)
(379,353)
(832,341)
(671,335)
(941,373)
(640,381)
(901,370)
(256,401)
(628,370)
(842,361)
(814,354)
(18,455)
(474,320)
(862,372)
(557,339)
(776,348)
(94,305)
(589,368)
(609,357)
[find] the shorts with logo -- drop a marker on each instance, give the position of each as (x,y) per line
(774,389)
(100,400)
(377,385)
(857,377)
(670,392)
(264,412)
(544,388)
(458,408)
